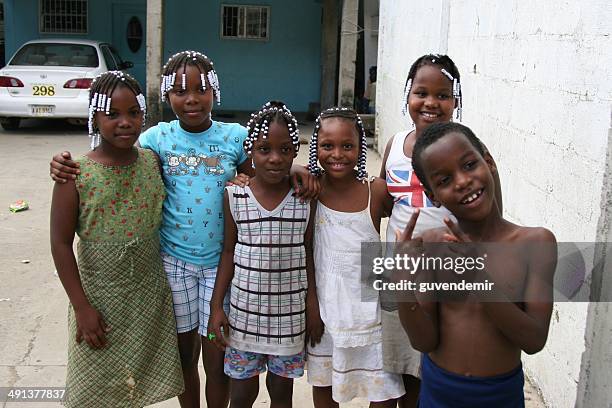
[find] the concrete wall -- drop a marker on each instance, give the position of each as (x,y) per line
(537,90)
(406,31)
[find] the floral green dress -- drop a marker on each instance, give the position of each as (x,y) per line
(122,275)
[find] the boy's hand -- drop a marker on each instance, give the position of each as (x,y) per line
(216,321)
(314,324)
(459,245)
(62,168)
(405,244)
(240,180)
(306,186)
(91,327)
(455,234)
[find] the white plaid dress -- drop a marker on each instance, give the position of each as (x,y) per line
(268,292)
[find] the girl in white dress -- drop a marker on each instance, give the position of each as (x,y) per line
(348,362)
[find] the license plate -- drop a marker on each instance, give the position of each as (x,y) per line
(42,110)
(43,90)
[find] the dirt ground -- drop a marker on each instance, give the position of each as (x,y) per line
(33,304)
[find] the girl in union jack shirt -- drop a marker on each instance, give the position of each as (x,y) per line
(432,94)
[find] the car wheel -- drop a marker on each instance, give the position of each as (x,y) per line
(10,123)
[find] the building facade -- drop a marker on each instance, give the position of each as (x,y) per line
(261,49)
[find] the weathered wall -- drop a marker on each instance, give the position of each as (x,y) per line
(406,30)
(537,90)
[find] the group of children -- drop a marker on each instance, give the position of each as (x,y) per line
(258,275)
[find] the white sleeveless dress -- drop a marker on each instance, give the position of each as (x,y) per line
(349,357)
(408,195)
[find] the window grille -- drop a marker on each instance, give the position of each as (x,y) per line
(63,16)
(245,22)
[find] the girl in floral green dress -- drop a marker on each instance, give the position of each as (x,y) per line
(122,346)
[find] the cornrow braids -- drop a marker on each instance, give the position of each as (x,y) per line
(273,111)
(432,134)
(447,67)
(343,113)
(102,87)
(181,60)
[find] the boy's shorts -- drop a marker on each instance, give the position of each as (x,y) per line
(241,365)
(192,288)
(441,388)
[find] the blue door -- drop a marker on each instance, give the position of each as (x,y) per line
(129,37)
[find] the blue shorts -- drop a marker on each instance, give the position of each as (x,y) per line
(192,288)
(443,389)
(241,365)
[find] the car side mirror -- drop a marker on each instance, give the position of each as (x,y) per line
(126,65)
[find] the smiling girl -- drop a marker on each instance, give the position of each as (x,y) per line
(347,364)
(122,346)
(267,260)
(199,155)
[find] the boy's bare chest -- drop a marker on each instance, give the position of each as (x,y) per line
(507,267)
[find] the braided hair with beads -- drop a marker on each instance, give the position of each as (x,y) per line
(341,113)
(102,87)
(259,124)
(181,60)
(447,67)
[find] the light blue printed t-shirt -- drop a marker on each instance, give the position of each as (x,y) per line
(196,167)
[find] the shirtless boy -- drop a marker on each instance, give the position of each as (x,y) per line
(472,346)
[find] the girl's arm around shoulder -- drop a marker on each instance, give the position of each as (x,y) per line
(381,199)
(314,324)
(62,168)
(306,185)
(225,274)
(245,168)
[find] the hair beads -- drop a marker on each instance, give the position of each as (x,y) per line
(344,113)
(260,121)
(448,69)
(102,87)
(181,60)
(407,88)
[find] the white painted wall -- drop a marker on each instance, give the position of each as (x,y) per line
(537,90)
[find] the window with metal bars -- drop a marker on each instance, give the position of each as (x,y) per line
(245,22)
(63,16)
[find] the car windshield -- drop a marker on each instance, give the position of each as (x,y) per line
(52,54)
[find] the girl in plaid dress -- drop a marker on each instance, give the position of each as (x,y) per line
(267,259)
(122,345)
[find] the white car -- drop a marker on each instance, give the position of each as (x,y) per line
(51,78)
